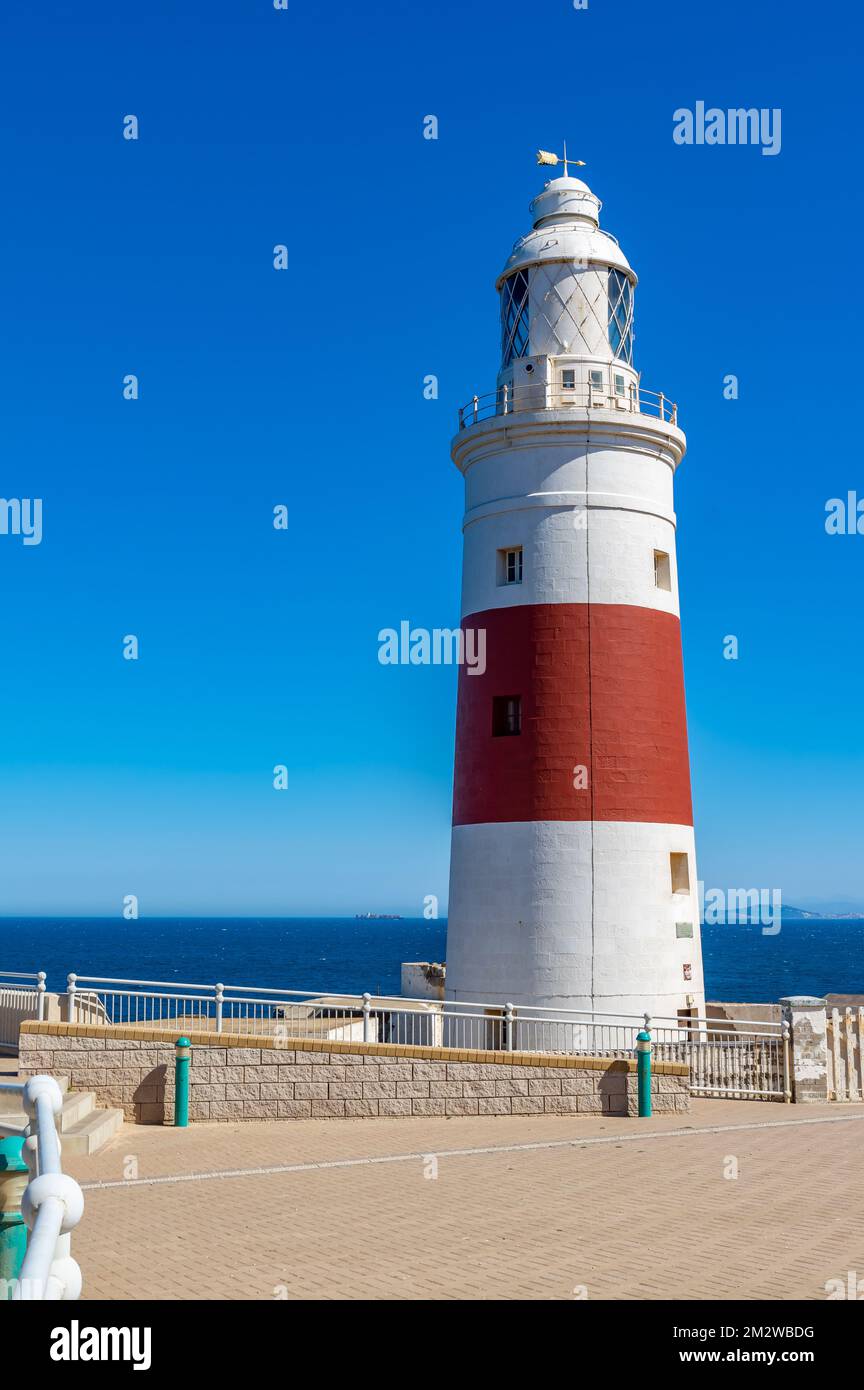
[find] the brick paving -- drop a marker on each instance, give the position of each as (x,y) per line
(636,1216)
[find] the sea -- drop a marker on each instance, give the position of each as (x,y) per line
(349,955)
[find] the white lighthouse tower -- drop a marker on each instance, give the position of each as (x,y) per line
(573,870)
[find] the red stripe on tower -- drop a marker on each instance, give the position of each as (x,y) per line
(601,686)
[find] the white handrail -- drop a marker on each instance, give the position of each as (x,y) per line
(311,995)
(52,1203)
(725,1056)
(222,995)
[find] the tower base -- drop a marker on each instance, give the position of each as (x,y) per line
(574,915)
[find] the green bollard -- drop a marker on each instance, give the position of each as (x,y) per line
(181,1083)
(14,1177)
(643,1064)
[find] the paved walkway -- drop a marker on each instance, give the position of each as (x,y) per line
(511,1207)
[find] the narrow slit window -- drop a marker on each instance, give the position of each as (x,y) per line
(506,716)
(679,865)
(662,570)
(514,317)
(621,316)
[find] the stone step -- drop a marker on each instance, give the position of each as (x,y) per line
(77,1105)
(83,1128)
(90,1134)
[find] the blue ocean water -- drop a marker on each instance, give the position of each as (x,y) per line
(347,955)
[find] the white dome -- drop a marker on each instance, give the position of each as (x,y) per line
(566,228)
(566,199)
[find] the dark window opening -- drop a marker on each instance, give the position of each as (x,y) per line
(506,715)
(621,315)
(514,318)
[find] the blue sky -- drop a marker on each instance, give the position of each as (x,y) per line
(305,387)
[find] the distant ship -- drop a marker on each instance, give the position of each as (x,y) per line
(377,917)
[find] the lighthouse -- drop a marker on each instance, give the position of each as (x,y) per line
(573,871)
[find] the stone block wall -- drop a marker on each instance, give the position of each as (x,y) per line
(255,1079)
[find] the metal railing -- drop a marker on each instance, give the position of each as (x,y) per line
(219,1008)
(21,996)
(248,1010)
(52,1203)
(745,1058)
(531,396)
(749,1058)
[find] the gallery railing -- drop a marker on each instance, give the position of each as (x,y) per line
(541,395)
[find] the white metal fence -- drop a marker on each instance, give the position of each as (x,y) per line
(746,1061)
(846,1054)
(52,1203)
(21,996)
(749,1059)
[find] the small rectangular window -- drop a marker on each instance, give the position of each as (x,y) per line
(568,379)
(662,570)
(620,385)
(506,715)
(596,379)
(510,565)
(679,866)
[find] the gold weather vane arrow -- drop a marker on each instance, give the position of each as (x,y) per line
(546,157)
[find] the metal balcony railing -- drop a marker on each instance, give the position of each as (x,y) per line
(531,396)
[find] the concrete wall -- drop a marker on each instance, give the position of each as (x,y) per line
(254,1079)
(735,1014)
(423,979)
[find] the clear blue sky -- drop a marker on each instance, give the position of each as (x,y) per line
(154,257)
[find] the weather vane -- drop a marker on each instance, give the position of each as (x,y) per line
(545,157)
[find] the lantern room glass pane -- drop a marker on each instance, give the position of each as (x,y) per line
(514,317)
(621,316)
